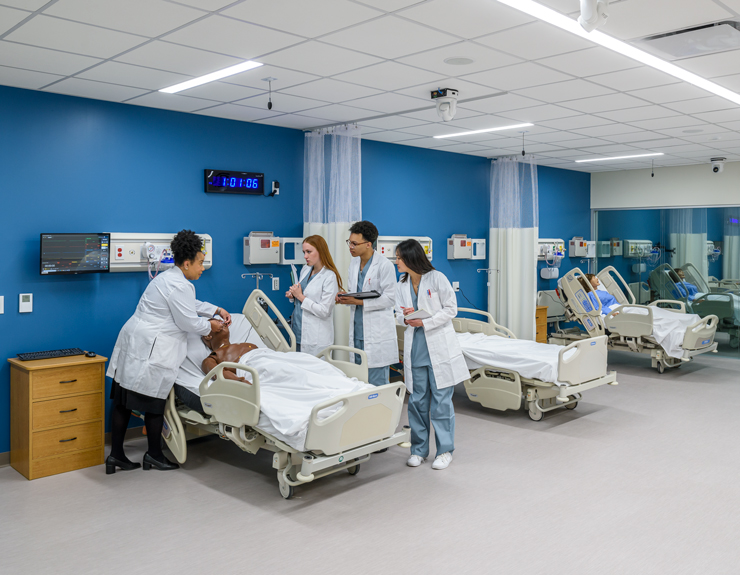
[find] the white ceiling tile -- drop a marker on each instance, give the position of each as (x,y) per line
(146,17)
(439,129)
(399,37)
(389,5)
(733,125)
(209,5)
(535,40)
(234,112)
(562,91)
(483,59)
(589,62)
(390,103)
(135,76)
(712,65)
(661,143)
(96,90)
(468,18)
(721,116)
(294,16)
(339,113)
(464,148)
(698,105)
(284,103)
(634,79)
(31,5)
(539,113)
(517,77)
(430,114)
(634,137)
(330,90)
(584,121)
(671,93)
(390,137)
(502,103)
(179,59)
(705,132)
(426,143)
(730,82)
(532,148)
(284,78)
(389,76)
(604,131)
(566,154)
(585,143)
(43,60)
(232,37)
(615,149)
(560,138)
(466,89)
(9,17)
(292,121)
(321,59)
(603,103)
(636,114)
(670,122)
(25,78)
(632,19)
(174,102)
(222,92)
(73,37)
(393,123)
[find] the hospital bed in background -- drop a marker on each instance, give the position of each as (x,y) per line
(365,422)
(723,285)
(669,339)
(641,292)
(511,374)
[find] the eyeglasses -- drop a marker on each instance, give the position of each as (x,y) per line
(355,244)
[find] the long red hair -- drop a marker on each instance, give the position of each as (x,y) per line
(326,260)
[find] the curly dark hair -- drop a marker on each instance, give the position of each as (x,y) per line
(366,229)
(185,246)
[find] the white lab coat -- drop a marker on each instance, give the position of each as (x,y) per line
(153,342)
(379,325)
(317,332)
(437,297)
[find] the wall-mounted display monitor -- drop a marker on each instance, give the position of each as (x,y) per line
(75,253)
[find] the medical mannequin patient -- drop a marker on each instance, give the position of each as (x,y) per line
(608,301)
(684,286)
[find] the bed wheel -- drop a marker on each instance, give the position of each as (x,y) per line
(354,470)
(661,367)
(286,490)
(735,342)
(572,405)
(535,414)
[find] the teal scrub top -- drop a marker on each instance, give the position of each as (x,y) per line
(359,326)
(419,350)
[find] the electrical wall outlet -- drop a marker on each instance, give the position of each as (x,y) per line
(275,284)
(456,286)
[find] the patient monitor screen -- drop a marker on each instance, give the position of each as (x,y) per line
(75,253)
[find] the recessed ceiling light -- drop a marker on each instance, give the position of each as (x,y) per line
(693,131)
(568,24)
(212,77)
(458,61)
(619,158)
(470,133)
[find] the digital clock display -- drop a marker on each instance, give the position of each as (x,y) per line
(219,181)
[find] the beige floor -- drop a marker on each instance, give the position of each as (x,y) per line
(640,479)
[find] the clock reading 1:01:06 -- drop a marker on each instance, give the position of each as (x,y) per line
(223,182)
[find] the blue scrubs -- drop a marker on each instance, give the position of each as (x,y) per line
(376,375)
(608,301)
(692,290)
(296,322)
(427,402)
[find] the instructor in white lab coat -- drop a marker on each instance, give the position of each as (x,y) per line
(373,326)
(432,359)
(314,297)
(151,347)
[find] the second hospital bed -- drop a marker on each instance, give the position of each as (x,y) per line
(365,421)
(507,373)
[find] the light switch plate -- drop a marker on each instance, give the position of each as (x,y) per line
(25,303)
(275,284)
(2,304)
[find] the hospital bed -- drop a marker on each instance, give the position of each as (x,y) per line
(716,284)
(650,329)
(717,301)
(365,422)
(496,383)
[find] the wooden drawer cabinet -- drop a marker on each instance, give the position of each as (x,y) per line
(541,321)
(57,412)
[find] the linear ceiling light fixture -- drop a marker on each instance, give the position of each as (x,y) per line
(569,25)
(484,131)
(212,77)
(619,158)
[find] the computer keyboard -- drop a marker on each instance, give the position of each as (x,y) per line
(47,354)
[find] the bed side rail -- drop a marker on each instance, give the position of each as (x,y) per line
(580,308)
(675,305)
(488,327)
(701,334)
(350,368)
(635,323)
(615,285)
(264,325)
(230,401)
(173,432)
(365,416)
(586,364)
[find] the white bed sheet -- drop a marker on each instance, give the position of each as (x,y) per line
(530,359)
(669,328)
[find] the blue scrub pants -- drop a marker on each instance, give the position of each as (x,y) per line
(428,401)
(376,375)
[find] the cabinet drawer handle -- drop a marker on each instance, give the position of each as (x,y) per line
(68,410)
(66,440)
(68,381)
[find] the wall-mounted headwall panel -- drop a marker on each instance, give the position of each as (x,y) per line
(671,187)
(128,254)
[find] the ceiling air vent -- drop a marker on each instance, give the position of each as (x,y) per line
(697,41)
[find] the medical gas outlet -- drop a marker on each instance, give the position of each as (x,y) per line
(386,245)
(461,247)
(266,248)
(552,252)
(580,248)
(637,248)
(139,252)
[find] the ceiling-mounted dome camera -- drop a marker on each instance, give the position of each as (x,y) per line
(446,100)
(594,14)
(718,165)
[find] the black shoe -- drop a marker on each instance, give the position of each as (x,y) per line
(112,462)
(165,465)
(381,450)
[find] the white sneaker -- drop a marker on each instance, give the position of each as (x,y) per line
(415,461)
(442,460)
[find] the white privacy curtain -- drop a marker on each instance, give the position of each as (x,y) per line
(512,255)
(329,208)
(731,245)
(687,235)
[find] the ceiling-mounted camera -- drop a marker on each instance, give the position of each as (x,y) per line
(594,13)
(718,164)
(446,100)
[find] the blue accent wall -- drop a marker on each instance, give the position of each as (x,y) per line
(630,225)
(78,165)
